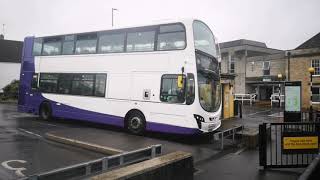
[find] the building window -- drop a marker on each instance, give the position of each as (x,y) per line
(266,68)
(231,65)
(315,63)
(315,94)
(169,89)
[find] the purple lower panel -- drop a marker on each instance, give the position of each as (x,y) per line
(158,127)
(69,112)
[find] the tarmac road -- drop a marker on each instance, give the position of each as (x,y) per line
(23,148)
(21,138)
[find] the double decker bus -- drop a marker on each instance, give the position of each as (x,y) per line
(162,77)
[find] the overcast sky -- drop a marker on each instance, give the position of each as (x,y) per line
(282,24)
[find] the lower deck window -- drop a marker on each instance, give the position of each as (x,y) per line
(74,84)
(170,92)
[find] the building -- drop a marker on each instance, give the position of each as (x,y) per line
(253,65)
(265,75)
(300,59)
(10,58)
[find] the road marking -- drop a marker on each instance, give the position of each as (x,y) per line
(48,124)
(17,170)
(279,114)
(258,112)
(240,151)
(29,132)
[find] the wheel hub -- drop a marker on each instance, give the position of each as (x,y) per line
(135,123)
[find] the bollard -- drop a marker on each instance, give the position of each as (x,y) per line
(310,114)
(240,109)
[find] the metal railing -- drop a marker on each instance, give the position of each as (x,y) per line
(99,165)
(245,97)
(276,98)
(272,152)
(227,133)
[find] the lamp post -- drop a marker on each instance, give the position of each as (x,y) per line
(280,78)
(113,9)
(311,71)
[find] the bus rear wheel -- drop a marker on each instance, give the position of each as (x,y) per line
(45,112)
(136,123)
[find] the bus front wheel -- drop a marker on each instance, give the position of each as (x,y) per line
(136,123)
(45,112)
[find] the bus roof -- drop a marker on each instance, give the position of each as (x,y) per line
(154,23)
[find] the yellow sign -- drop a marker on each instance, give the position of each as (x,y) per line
(307,142)
(180,81)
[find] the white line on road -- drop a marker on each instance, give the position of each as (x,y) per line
(17,170)
(258,112)
(29,132)
(47,124)
(240,151)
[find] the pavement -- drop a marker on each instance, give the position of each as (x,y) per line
(22,138)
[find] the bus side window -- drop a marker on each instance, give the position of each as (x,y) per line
(86,43)
(37,47)
(171,37)
(190,90)
(68,45)
(34,81)
(170,92)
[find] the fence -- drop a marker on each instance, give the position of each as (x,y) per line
(275,98)
(100,165)
(288,145)
(245,97)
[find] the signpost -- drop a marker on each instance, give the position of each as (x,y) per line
(292,110)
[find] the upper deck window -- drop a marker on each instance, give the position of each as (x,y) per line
(68,45)
(110,43)
(37,46)
(171,37)
(203,38)
(140,41)
(51,46)
(86,43)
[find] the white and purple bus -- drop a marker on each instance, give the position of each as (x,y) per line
(162,77)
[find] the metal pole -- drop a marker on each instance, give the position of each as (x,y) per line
(279,95)
(112,21)
(311,109)
(240,109)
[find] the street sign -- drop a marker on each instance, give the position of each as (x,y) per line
(298,142)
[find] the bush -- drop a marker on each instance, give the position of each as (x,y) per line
(10,91)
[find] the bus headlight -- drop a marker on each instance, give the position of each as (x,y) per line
(199,119)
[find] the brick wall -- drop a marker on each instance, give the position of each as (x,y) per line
(299,72)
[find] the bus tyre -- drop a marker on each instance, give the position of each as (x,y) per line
(136,123)
(45,112)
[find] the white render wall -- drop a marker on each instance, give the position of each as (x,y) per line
(8,72)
